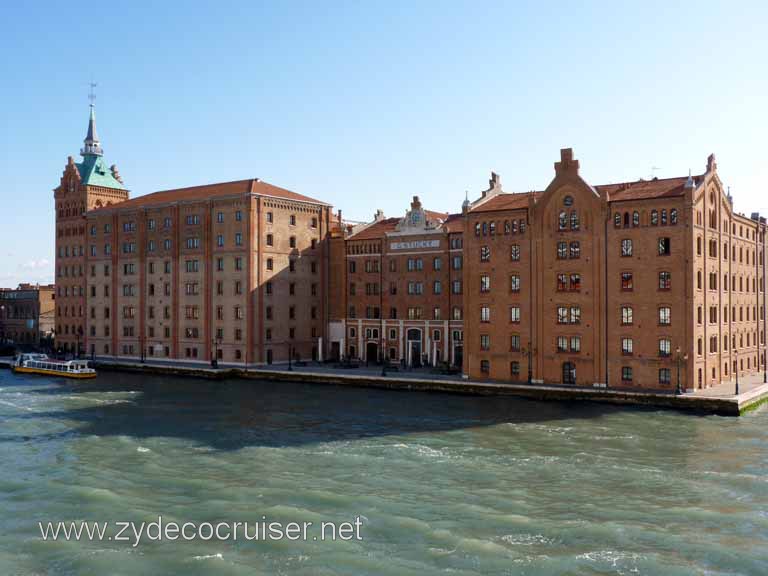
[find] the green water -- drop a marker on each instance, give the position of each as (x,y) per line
(444,484)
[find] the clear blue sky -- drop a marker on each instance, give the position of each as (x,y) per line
(364,104)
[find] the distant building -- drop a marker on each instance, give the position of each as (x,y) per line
(26,315)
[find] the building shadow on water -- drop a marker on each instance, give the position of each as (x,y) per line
(234,414)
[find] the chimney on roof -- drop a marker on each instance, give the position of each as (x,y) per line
(379,215)
(755,216)
(711,164)
(567,162)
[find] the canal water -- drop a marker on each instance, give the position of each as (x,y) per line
(443,484)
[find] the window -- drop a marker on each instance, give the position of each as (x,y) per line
(514,314)
(635,218)
(626,315)
(437,264)
(665,376)
(575,315)
(514,252)
(665,280)
(238,216)
(193,219)
(485,314)
(626,374)
(485,254)
(271,242)
(574,220)
(220,217)
(485,342)
(626,247)
(562,220)
(193,243)
(270,264)
(514,343)
(562,282)
(238,239)
(654,217)
(665,315)
(673,216)
(562,344)
(626,281)
(562,315)
(617,219)
(562,250)
(485,283)
(485,366)
(575,282)
(270,217)
(292,219)
(626,345)
(665,245)
(575,343)
(575,250)
(292,241)
(514,283)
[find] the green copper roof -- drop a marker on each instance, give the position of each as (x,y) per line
(94,172)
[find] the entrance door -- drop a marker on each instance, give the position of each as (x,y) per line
(335,351)
(458,356)
(415,353)
(371,352)
(569,373)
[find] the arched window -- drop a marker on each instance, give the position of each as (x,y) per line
(569,373)
(562,220)
(574,220)
(617,219)
(635,218)
(673,216)
(654,217)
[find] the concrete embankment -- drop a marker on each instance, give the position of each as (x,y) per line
(722,405)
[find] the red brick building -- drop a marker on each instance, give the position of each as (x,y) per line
(398,289)
(235,271)
(615,285)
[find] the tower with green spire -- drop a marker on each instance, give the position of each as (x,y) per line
(84,186)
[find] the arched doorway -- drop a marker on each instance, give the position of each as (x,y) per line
(413,336)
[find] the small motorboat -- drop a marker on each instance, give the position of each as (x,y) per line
(42,364)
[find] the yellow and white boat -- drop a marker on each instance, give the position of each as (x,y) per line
(41,364)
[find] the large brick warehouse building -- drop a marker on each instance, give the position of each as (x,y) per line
(632,285)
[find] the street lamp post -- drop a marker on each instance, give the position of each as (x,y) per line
(529,352)
(736,353)
(679,389)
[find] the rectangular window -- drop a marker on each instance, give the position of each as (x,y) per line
(626,247)
(626,345)
(626,315)
(665,246)
(514,283)
(485,283)
(626,374)
(514,252)
(665,376)
(514,343)
(485,342)
(665,316)
(485,314)
(562,344)
(514,314)
(626,281)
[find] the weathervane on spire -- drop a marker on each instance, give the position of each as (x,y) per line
(92,93)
